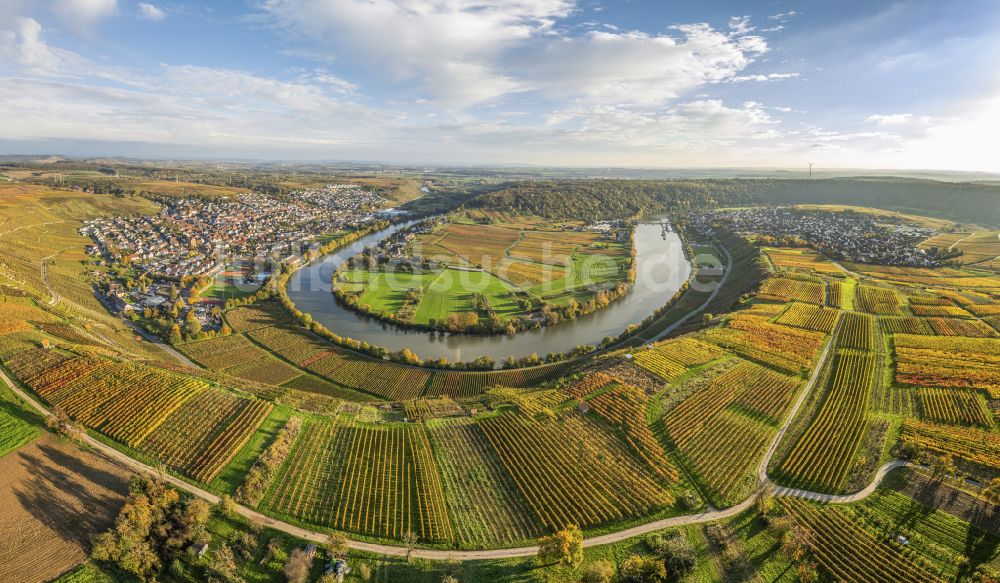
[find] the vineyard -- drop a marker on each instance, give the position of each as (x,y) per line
(957,327)
(753,337)
(673,358)
(877,300)
(848,552)
(945,311)
(800,259)
(722,430)
(974,446)
(810,317)
(179,420)
(948,361)
(461,384)
(856,331)
(206,432)
(955,407)
(825,453)
(787,289)
(377,481)
(571,472)
(482,500)
(626,407)
(904,325)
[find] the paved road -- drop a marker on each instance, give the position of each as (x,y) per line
(443,555)
(45,279)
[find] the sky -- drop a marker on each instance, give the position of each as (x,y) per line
(632,83)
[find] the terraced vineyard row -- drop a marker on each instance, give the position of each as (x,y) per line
(206,432)
(848,552)
(626,407)
(955,407)
(975,446)
(784,347)
(669,360)
(715,436)
(377,481)
(959,327)
(810,317)
(877,300)
(482,500)
(856,331)
(952,361)
(904,325)
(824,454)
(471,383)
(788,289)
(179,420)
(570,472)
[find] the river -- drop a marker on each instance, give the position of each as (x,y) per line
(660,271)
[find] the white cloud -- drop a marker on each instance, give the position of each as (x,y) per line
(897,119)
(467,52)
(82,14)
(26,47)
(783,16)
(151,12)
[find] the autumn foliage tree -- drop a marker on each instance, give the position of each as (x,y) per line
(564,547)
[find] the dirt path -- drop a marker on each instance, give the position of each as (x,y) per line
(45,279)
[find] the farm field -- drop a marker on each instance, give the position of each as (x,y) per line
(46,525)
(800,259)
(498,272)
(753,337)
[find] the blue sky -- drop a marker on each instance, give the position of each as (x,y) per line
(769,83)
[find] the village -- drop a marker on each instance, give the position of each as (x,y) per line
(846,236)
(158,267)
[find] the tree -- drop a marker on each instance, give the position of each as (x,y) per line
(222,566)
(599,572)
(564,547)
(227,507)
(410,541)
(175,334)
(337,545)
(991,493)
(642,569)
(192,324)
(942,466)
(679,557)
(297,567)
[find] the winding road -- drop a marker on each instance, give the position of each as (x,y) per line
(457,555)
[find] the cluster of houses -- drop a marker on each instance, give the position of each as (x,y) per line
(193,239)
(849,236)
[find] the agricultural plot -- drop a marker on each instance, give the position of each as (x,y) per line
(810,317)
(462,384)
(948,361)
(669,360)
(482,500)
(939,311)
(572,472)
(848,552)
(983,310)
(975,447)
(259,315)
(626,407)
(954,407)
(124,401)
(379,481)
(385,379)
(15,430)
(904,325)
(877,300)
(800,259)
(953,547)
(291,343)
(856,331)
(753,337)
(959,327)
(825,453)
(206,432)
(722,430)
(786,289)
